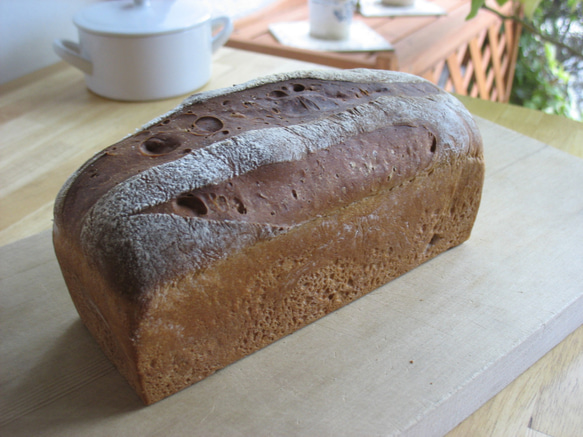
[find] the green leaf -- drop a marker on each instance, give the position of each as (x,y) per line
(530,6)
(573,3)
(476,5)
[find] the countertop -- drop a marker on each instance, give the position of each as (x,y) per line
(38,111)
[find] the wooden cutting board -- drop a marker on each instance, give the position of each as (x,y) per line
(414,357)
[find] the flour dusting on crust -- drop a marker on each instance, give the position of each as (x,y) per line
(160,244)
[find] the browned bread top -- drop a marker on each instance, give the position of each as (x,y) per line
(232,167)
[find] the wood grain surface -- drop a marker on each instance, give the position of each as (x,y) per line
(50,124)
(554,130)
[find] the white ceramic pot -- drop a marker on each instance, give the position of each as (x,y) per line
(145,49)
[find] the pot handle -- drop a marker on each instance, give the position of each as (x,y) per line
(70,52)
(221,38)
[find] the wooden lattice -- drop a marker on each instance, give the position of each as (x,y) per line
(482,67)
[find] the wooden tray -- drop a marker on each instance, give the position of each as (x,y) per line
(415,357)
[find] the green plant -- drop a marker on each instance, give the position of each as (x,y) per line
(540,81)
(550,55)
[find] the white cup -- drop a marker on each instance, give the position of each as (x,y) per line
(331,19)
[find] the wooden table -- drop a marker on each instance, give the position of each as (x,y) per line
(50,124)
(475,57)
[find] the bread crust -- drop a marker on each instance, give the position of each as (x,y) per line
(183,267)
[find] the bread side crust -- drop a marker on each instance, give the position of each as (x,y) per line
(203,321)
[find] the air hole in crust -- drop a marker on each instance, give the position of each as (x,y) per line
(240,207)
(209,124)
(433,144)
(298,87)
(295,194)
(160,144)
(278,94)
(434,240)
(193,204)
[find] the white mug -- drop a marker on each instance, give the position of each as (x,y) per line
(144,49)
(331,19)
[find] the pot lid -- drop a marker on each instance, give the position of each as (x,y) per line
(141,17)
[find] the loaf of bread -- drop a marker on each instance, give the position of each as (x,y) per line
(248,212)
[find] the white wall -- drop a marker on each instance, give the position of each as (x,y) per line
(28,28)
